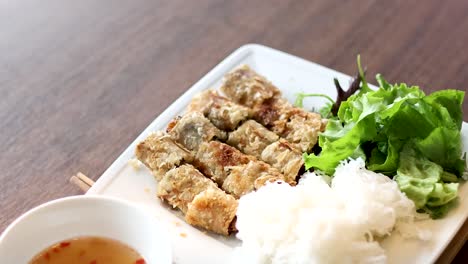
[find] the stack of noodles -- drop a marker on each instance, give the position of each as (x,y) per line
(225,147)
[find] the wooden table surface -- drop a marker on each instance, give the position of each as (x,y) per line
(79,80)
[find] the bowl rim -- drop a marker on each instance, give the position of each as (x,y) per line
(98,198)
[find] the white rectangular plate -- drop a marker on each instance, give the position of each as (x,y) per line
(291,74)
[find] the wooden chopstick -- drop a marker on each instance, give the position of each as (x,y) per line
(84,178)
(82,181)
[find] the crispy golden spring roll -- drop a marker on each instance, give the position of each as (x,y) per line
(300,128)
(180,185)
(244,86)
(222,112)
(285,158)
(192,129)
(160,154)
(213,210)
(245,178)
(251,138)
(199,198)
(270,111)
(212,158)
(236,172)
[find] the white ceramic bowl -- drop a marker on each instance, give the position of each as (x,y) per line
(82,215)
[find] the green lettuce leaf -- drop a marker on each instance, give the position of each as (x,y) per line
(422,180)
(385,160)
(379,125)
(448,104)
(443,146)
(337,146)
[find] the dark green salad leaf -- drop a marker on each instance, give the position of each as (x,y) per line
(399,131)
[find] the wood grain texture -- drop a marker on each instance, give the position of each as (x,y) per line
(79,80)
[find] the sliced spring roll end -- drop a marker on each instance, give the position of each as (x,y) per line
(303,131)
(228,116)
(286,158)
(244,86)
(270,111)
(246,178)
(214,156)
(239,181)
(180,185)
(160,154)
(251,138)
(193,129)
(213,210)
(299,127)
(201,102)
(222,112)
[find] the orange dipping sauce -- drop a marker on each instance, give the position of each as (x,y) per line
(88,250)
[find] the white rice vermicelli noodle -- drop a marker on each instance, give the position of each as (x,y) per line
(314,222)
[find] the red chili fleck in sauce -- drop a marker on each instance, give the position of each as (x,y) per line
(140,261)
(64,244)
(93,262)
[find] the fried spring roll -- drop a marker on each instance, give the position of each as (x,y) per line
(270,111)
(202,202)
(222,112)
(285,158)
(213,210)
(180,185)
(244,86)
(300,128)
(213,157)
(251,138)
(245,178)
(236,172)
(192,129)
(160,154)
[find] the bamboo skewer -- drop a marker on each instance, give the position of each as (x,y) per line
(82,181)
